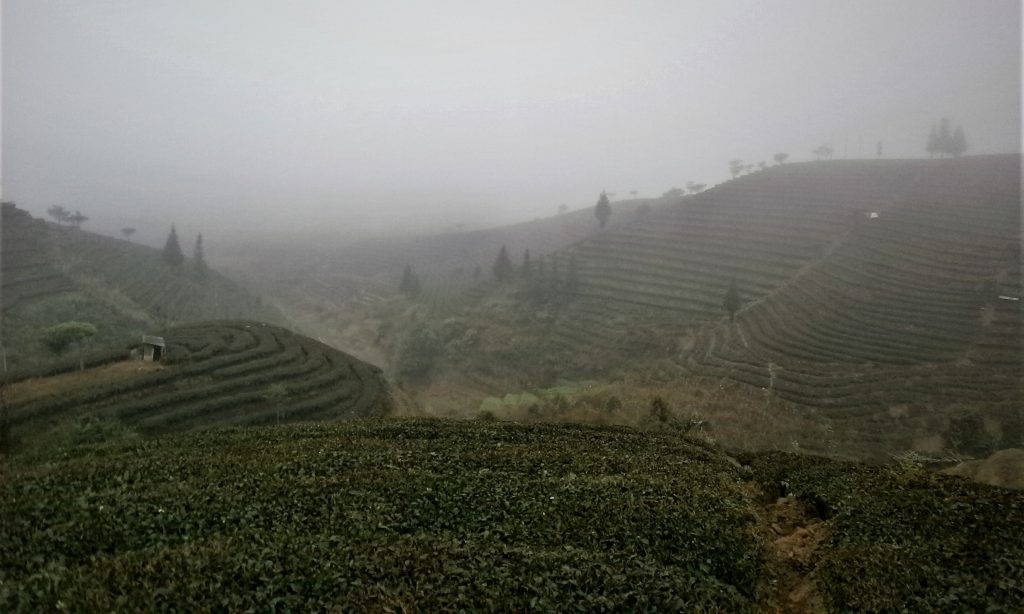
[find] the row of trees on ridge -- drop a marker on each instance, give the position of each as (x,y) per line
(63,216)
(174,258)
(945,142)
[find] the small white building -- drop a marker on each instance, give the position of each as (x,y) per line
(153,348)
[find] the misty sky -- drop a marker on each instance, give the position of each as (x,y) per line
(288,116)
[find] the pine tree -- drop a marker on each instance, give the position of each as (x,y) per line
(945,137)
(958,145)
(502,266)
(731,303)
(172,250)
(933,141)
(410,285)
(603,210)
(527,268)
(199,259)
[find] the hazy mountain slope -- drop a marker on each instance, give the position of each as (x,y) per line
(214,374)
(52,274)
(832,295)
(316,274)
(445,516)
(338,293)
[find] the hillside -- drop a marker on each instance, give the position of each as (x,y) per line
(214,374)
(51,274)
(864,285)
(440,516)
(326,290)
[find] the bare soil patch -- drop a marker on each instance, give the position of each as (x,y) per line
(796,535)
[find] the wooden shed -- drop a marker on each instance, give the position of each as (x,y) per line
(152,348)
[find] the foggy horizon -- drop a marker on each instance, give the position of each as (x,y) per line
(241,120)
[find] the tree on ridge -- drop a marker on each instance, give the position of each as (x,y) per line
(57,338)
(410,285)
(945,141)
(958,146)
(502,266)
(172,249)
(199,259)
(58,213)
(76,219)
(603,209)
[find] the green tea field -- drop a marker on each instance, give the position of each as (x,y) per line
(403,516)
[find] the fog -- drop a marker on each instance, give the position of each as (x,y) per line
(245,119)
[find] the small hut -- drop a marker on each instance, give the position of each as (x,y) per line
(153,348)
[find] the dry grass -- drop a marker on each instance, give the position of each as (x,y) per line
(722,411)
(28,390)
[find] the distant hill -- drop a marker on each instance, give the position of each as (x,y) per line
(214,374)
(862,283)
(335,293)
(297,274)
(51,274)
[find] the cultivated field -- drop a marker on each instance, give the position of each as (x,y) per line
(214,374)
(436,516)
(53,274)
(864,285)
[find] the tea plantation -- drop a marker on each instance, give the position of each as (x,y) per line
(863,284)
(51,274)
(389,515)
(222,373)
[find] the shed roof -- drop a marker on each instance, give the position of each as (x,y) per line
(151,340)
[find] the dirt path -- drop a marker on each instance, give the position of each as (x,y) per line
(796,536)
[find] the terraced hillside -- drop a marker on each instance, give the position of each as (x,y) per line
(52,274)
(214,374)
(863,283)
(917,305)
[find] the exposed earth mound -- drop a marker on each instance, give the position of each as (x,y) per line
(1004,468)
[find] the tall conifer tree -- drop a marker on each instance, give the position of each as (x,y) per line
(172,249)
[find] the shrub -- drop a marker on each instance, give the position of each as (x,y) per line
(659,410)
